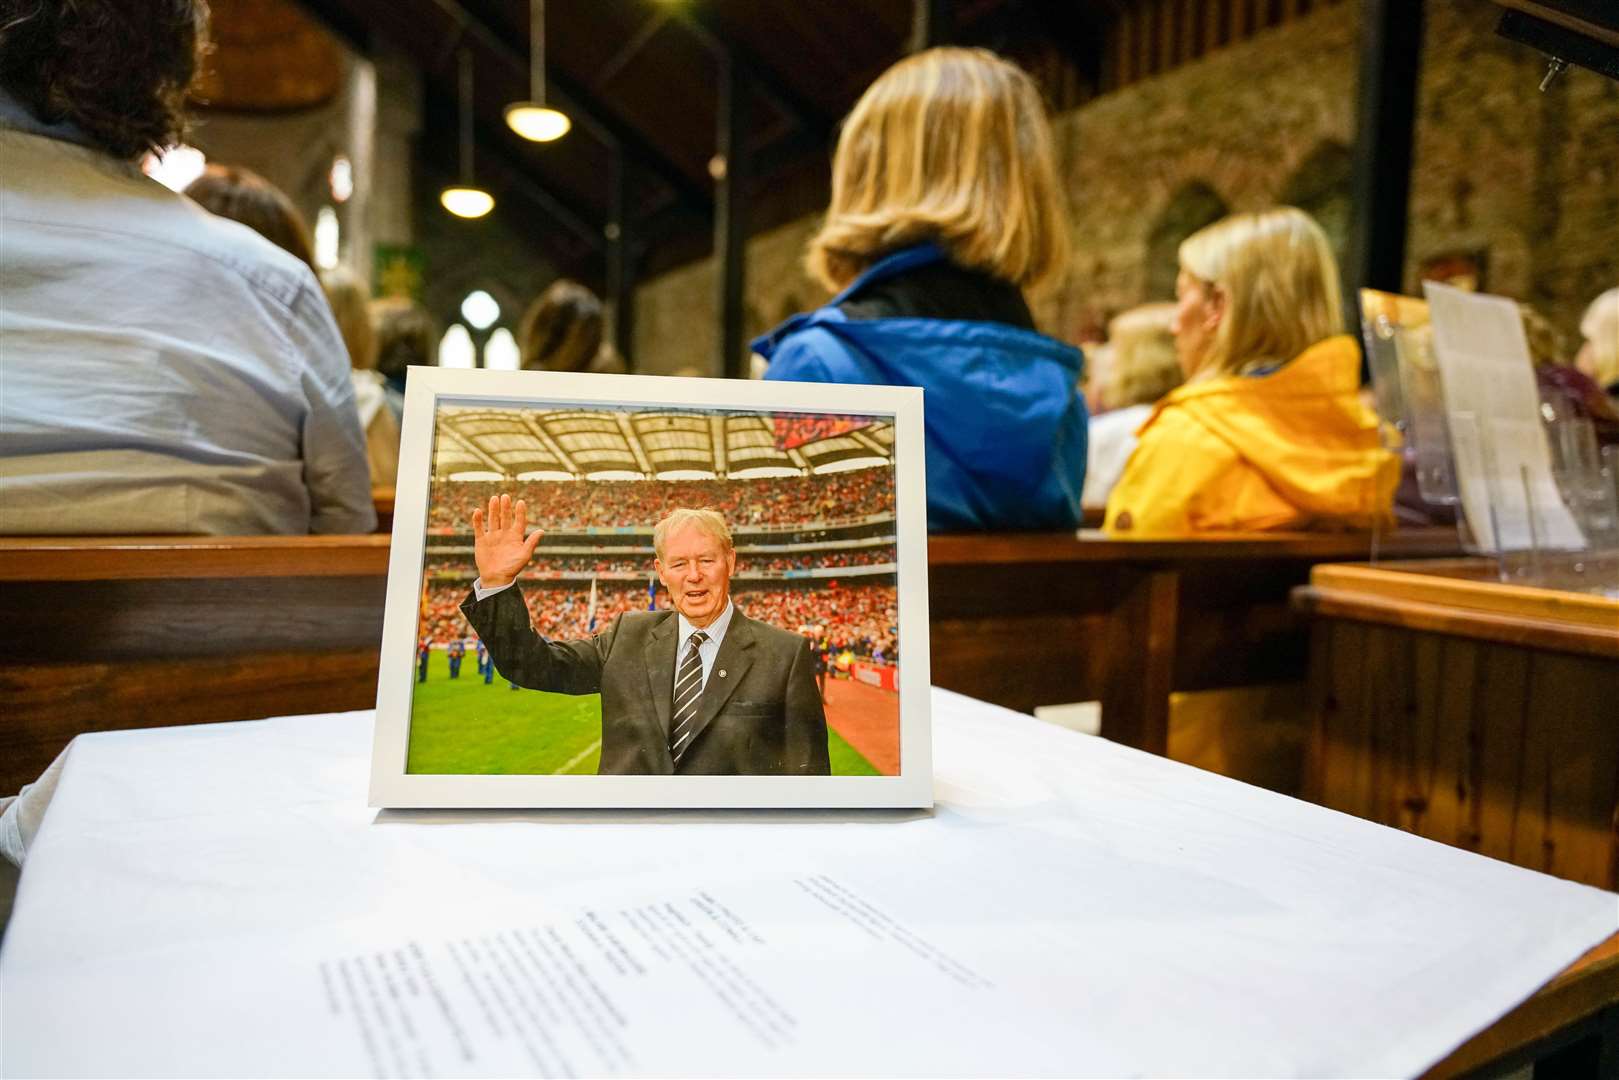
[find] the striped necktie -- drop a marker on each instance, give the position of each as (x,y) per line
(688,688)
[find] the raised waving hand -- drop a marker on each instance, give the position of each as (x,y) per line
(499,546)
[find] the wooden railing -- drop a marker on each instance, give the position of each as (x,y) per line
(105,633)
(1480,714)
(1038,619)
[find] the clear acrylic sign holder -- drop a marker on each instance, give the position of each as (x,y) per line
(1562,535)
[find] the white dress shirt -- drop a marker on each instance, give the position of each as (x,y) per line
(709,649)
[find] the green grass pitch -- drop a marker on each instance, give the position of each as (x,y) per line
(462,726)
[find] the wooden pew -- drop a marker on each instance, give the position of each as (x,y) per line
(106,633)
(121,632)
(1472,712)
(1036,619)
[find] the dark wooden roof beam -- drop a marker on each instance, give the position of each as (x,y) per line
(1080,31)
(580,105)
(763,80)
(401,21)
(630,49)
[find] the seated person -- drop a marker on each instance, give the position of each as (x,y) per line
(562,331)
(1141,369)
(405,339)
(1269,431)
(945,207)
(351,306)
(1599,356)
(166,371)
(234,192)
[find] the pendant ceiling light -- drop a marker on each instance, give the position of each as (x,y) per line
(533,119)
(466,199)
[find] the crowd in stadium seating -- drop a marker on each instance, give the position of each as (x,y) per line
(557,563)
(815,560)
(859,619)
(782,500)
(590,564)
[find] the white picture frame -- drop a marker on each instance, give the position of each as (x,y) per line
(392,786)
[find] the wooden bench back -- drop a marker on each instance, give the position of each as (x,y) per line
(1036,619)
(105,633)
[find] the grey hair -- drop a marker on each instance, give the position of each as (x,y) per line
(707,520)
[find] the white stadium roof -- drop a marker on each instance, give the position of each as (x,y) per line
(503,443)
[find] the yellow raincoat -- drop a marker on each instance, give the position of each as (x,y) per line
(1294,449)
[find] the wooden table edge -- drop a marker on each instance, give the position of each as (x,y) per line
(1580,990)
(1413,581)
(1471,623)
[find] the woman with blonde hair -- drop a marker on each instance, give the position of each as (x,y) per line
(1269,431)
(351,306)
(945,208)
(1142,369)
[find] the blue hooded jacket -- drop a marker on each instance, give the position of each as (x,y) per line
(1005,421)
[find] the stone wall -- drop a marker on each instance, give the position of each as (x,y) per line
(1528,181)
(1240,123)
(676,320)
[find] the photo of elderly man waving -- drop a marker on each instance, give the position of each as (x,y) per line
(698,690)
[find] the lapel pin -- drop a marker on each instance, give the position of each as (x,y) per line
(722,673)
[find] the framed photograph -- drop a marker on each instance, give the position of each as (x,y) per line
(635,591)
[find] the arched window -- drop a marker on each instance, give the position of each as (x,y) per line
(500,352)
(478,336)
(1194,206)
(328,238)
(456,350)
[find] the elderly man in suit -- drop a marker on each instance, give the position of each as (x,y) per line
(700,690)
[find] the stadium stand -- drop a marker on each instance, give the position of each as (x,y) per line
(815,553)
(778,501)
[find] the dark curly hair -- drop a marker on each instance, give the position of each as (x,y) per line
(117,69)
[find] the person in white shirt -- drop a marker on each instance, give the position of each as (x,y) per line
(1141,369)
(164,370)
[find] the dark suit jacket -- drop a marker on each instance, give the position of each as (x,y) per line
(760,712)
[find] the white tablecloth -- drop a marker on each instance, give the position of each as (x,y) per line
(1136,915)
